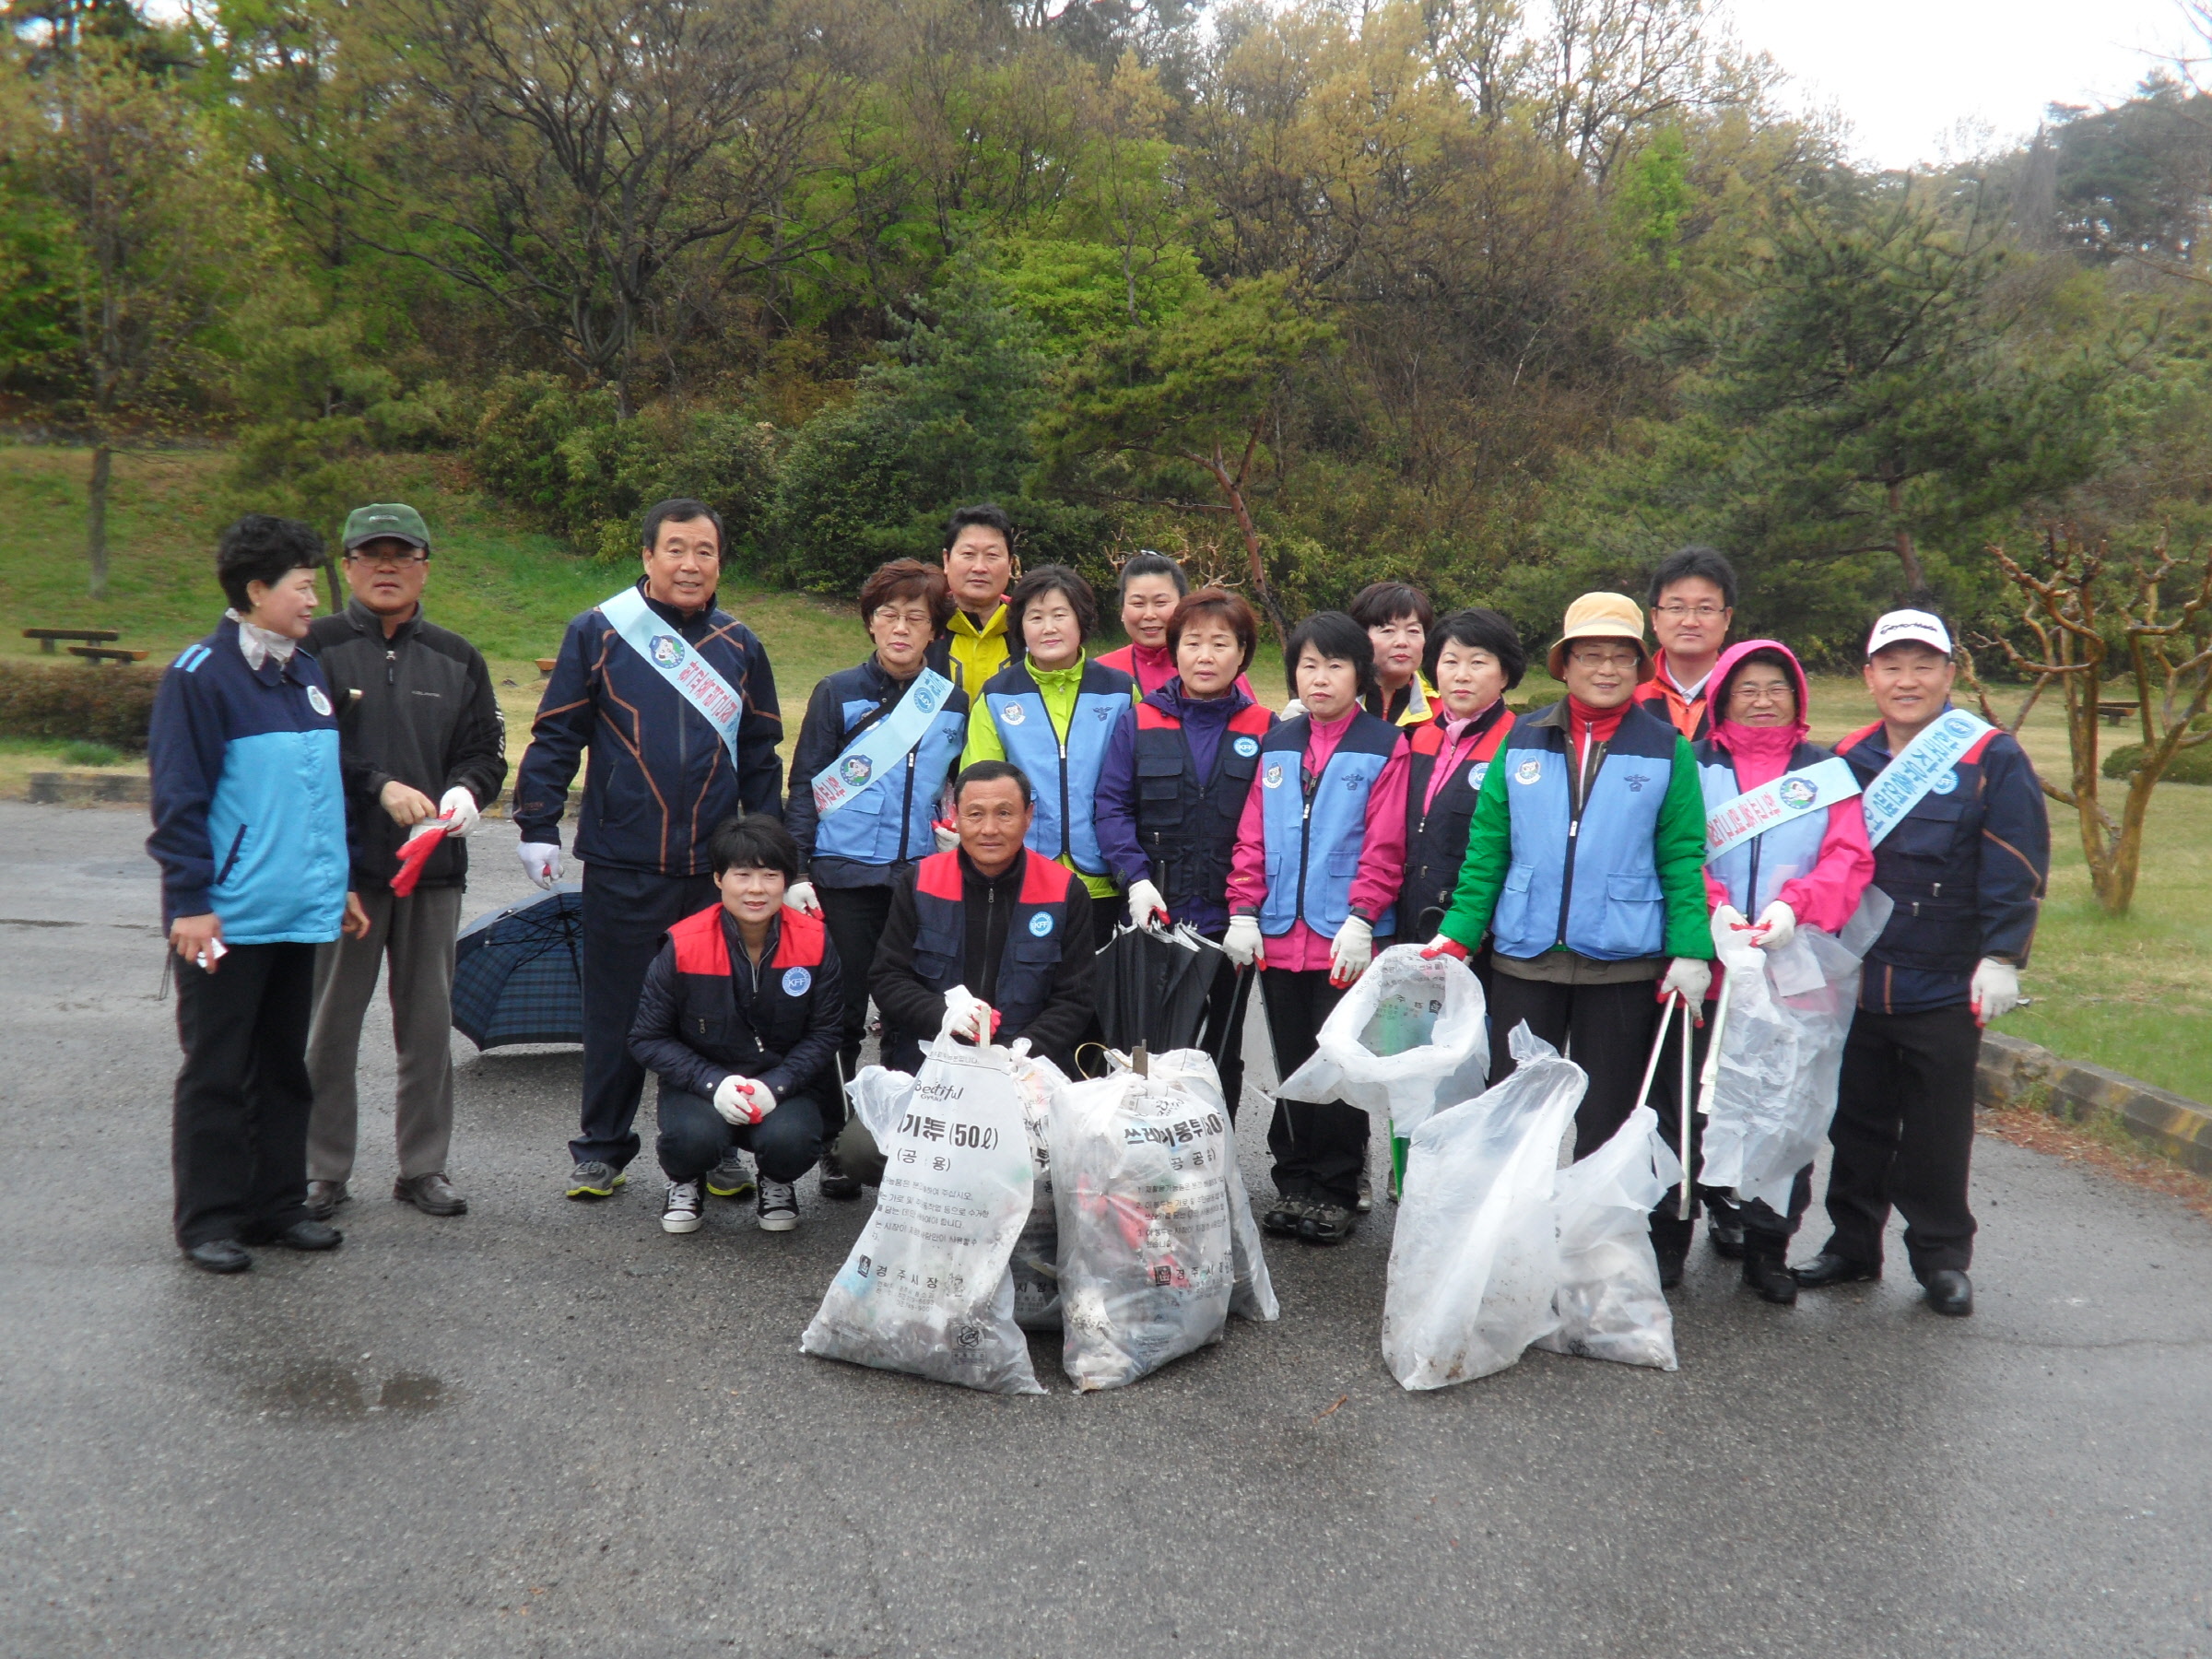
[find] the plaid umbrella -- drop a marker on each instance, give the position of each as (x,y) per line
(1151,986)
(518,973)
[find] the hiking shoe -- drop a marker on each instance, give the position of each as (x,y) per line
(732,1178)
(682,1212)
(1284,1216)
(432,1195)
(1327,1223)
(779,1206)
(836,1183)
(592,1179)
(1367,1196)
(324,1198)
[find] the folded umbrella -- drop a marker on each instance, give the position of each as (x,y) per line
(1152,986)
(518,972)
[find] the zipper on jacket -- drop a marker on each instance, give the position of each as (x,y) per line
(390,666)
(230,859)
(906,807)
(1305,835)
(1574,829)
(1066,835)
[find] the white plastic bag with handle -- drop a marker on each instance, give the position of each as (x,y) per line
(1253,1294)
(1474,1267)
(1608,1303)
(926,1288)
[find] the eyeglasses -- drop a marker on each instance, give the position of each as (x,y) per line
(1676,611)
(1603,659)
(397,561)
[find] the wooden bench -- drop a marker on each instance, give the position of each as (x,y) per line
(2114,713)
(91,636)
(106,654)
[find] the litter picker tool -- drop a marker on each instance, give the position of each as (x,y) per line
(1711,1077)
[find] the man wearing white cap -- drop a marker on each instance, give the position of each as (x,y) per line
(1962,846)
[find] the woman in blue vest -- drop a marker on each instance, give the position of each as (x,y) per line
(1053,713)
(1173,790)
(869,774)
(1807,871)
(1320,850)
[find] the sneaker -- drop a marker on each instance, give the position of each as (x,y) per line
(682,1214)
(592,1179)
(324,1198)
(836,1183)
(779,1206)
(732,1178)
(1367,1196)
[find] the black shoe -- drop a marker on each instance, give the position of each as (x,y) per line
(1767,1273)
(301,1235)
(1327,1223)
(324,1198)
(1670,1246)
(1949,1293)
(219,1255)
(836,1183)
(1825,1269)
(432,1195)
(1726,1234)
(1284,1216)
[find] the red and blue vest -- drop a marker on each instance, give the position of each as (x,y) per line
(1035,934)
(1436,833)
(1187,825)
(707,1019)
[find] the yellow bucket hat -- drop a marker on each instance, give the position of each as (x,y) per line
(1604,617)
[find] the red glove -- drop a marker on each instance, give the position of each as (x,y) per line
(1443,945)
(413,856)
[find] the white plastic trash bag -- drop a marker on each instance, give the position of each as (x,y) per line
(1774,1085)
(1474,1266)
(926,1288)
(1252,1296)
(1037,1253)
(1141,1182)
(1609,1303)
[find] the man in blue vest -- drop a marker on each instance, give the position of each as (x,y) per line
(676,703)
(1962,847)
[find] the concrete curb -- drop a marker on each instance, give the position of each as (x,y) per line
(2024,1077)
(71,788)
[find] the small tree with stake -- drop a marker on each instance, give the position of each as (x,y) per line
(2096,618)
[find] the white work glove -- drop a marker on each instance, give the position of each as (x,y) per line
(1352,949)
(967,1016)
(1996,991)
(742,1102)
(458,809)
(1291,709)
(800,897)
(1689,979)
(1777,926)
(1732,942)
(1243,944)
(948,838)
(1145,902)
(541,861)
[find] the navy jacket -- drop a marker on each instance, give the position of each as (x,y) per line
(660,777)
(706,1013)
(1966,868)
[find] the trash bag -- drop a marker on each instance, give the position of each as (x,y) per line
(1608,1303)
(1774,1084)
(1252,1296)
(1408,1038)
(1147,1254)
(1036,1264)
(1474,1267)
(926,1288)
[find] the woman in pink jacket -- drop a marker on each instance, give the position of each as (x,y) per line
(1809,871)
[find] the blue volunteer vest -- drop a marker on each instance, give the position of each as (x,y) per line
(1594,886)
(1755,870)
(1314,849)
(887,822)
(1065,773)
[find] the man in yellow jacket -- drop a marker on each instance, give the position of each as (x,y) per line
(979,567)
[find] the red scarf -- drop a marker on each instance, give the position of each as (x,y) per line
(1587,725)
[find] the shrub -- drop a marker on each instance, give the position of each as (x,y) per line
(106,705)
(2191,766)
(90,754)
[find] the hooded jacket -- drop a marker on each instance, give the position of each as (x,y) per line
(968,655)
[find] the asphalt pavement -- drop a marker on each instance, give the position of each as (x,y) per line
(548,1428)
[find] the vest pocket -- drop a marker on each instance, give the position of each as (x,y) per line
(1634,922)
(1509,919)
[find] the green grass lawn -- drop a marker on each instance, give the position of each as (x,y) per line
(2133,994)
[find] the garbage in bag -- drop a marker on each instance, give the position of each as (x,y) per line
(1608,1303)
(1252,1296)
(1779,1056)
(1141,1182)
(926,1288)
(1474,1267)
(1152,984)
(1408,1038)
(1036,1264)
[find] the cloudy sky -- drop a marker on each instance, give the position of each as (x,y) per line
(1906,73)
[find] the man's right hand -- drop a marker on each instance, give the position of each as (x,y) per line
(407,804)
(189,937)
(967,1016)
(541,861)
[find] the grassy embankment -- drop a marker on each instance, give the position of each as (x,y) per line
(2133,994)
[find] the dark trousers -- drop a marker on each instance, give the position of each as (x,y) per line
(1904,1135)
(624,913)
(694,1136)
(1222,1035)
(239,1145)
(855,918)
(1320,1147)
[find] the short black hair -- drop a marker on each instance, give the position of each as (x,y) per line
(1694,561)
(986,771)
(265,550)
(1332,634)
(1051,579)
(1381,602)
(753,841)
(987,513)
(1149,563)
(682,510)
(1484,631)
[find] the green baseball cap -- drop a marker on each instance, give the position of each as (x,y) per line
(386,517)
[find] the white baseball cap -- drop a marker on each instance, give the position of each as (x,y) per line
(1909,628)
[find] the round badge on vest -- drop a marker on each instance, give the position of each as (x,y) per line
(1013,713)
(1273,778)
(1040,924)
(1529,771)
(317,702)
(1247,747)
(1945,782)
(797,981)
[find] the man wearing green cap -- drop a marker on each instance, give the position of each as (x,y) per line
(423,751)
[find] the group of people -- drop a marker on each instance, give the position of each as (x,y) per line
(976,805)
